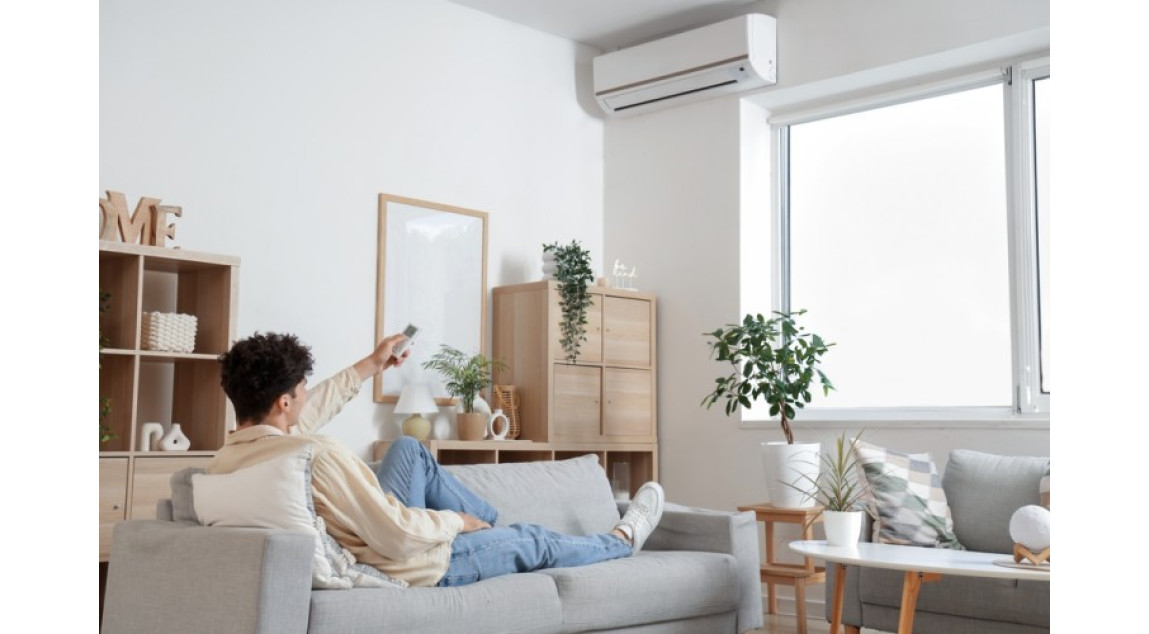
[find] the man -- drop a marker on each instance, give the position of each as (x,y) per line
(412,520)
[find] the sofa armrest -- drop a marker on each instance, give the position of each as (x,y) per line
(181,577)
(706,530)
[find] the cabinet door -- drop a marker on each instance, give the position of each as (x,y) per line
(577,408)
(152,482)
(629,408)
(590,351)
(626,331)
(113,499)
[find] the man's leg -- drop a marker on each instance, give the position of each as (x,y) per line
(522,548)
(411,474)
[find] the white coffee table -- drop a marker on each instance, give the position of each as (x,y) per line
(921,565)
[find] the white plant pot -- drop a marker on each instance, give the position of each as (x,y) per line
(843,528)
(797,464)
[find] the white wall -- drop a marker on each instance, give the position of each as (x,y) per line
(676,184)
(275,125)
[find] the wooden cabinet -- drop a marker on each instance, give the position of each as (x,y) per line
(608,396)
(156,386)
(113,499)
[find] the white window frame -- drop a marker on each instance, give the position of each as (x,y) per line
(1030,409)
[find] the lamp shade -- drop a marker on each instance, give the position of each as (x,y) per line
(415,399)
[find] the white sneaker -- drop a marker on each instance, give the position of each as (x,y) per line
(643,515)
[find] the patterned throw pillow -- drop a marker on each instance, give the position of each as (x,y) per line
(906,498)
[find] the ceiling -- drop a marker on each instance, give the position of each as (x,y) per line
(611,24)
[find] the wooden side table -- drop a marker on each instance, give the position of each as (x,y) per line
(775,572)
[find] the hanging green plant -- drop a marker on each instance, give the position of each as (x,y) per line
(574,275)
(105,402)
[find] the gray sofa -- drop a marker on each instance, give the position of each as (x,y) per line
(983,491)
(697,573)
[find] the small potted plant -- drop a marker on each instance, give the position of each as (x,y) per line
(839,491)
(466,376)
(573,273)
(777,361)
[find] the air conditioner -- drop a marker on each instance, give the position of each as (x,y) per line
(726,57)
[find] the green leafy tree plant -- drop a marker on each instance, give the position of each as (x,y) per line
(574,275)
(466,374)
(774,359)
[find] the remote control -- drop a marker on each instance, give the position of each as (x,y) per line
(408,332)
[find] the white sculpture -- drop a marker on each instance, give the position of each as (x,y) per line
(150,434)
(624,277)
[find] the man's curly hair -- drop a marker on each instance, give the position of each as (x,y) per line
(260,369)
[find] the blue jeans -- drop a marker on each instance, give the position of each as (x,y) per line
(412,475)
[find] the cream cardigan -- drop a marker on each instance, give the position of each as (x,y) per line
(407,543)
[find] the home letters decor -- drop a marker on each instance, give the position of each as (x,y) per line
(146,225)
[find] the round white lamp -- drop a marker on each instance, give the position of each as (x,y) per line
(416,400)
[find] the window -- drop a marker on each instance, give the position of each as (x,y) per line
(915,233)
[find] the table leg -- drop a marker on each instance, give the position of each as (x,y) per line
(771,596)
(839,596)
(910,588)
(800,603)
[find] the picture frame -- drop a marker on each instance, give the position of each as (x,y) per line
(432,273)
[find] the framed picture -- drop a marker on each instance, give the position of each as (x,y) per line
(432,274)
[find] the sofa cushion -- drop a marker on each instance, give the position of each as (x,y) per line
(1006,600)
(649,587)
(906,498)
(570,496)
(526,602)
(984,490)
(277,493)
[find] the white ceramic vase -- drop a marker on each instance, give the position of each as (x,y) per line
(174,440)
(441,427)
(796,464)
(843,528)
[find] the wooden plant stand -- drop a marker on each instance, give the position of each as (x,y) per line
(774,572)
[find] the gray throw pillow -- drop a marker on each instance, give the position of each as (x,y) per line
(985,490)
(183,506)
(570,496)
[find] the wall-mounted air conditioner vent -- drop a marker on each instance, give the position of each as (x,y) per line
(722,58)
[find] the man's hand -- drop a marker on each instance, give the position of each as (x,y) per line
(380,359)
(472,523)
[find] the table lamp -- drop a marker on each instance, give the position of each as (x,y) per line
(416,399)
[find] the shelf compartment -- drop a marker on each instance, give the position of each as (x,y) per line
(120,278)
(193,289)
(117,382)
(185,391)
(525,456)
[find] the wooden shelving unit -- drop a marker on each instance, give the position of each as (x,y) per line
(165,387)
(603,403)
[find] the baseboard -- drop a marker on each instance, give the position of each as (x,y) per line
(815,605)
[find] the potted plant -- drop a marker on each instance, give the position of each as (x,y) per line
(574,275)
(837,488)
(466,376)
(777,361)
(105,402)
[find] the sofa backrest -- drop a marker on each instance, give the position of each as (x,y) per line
(569,496)
(984,490)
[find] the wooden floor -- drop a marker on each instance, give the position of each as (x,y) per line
(785,624)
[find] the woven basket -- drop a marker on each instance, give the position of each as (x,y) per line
(507,399)
(168,332)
